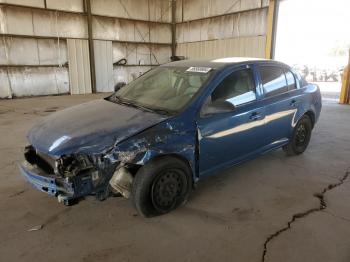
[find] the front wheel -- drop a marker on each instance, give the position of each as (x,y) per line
(161,186)
(301,137)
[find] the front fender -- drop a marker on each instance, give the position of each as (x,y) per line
(167,138)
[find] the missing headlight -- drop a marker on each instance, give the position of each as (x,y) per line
(69,166)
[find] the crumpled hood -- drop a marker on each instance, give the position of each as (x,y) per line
(89,128)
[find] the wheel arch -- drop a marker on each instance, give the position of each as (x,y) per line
(178,157)
(312,117)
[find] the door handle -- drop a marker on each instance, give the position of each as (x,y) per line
(255,116)
(293,103)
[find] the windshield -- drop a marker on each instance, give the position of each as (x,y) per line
(164,88)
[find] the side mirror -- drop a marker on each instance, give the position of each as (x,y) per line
(218,106)
(118,86)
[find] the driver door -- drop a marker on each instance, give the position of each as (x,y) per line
(229,137)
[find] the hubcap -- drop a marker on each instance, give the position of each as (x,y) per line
(301,135)
(166,189)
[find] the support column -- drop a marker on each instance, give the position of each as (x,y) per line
(173,28)
(91,46)
(271,29)
(345,88)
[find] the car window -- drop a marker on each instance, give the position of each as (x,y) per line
(290,80)
(237,88)
(166,88)
(273,80)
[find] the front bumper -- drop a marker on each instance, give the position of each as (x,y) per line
(50,184)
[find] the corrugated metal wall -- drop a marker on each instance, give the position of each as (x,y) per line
(104,66)
(34,36)
(239,47)
(79,66)
(212,29)
(34,41)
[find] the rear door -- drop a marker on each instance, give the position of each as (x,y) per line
(279,102)
(226,138)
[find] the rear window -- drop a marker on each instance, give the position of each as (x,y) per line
(273,80)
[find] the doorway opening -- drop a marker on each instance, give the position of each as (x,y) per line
(314,38)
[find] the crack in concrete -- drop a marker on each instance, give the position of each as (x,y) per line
(322,206)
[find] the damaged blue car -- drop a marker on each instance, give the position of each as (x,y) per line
(156,137)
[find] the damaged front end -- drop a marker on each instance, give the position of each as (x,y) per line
(73,168)
(68,177)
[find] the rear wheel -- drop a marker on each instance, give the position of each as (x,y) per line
(301,137)
(161,186)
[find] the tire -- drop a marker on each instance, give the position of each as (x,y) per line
(301,137)
(161,186)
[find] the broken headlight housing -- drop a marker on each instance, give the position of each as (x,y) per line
(68,166)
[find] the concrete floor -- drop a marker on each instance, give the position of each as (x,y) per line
(239,215)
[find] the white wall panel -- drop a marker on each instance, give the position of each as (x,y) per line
(72,25)
(160,10)
(16,51)
(52,51)
(79,66)
(150,10)
(224,7)
(34,3)
(125,30)
(106,28)
(129,73)
(178,17)
(141,54)
(193,32)
(250,4)
(193,9)
(142,32)
(30,51)
(5,89)
(119,51)
(103,66)
(117,29)
(68,5)
(160,54)
(196,9)
(131,54)
(265,3)
(24,51)
(34,81)
(135,31)
(49,19)
(23,21)
(16,20)
(180,32)
(252,23)
(121,8)
(244,46)
(160,33)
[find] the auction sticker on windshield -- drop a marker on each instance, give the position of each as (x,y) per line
(199,69)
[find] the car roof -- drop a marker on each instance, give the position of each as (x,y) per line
(218,63)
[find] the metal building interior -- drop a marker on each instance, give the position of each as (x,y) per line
(58,53)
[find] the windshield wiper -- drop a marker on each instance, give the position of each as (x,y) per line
(161,111)
(122,101)
(153,110)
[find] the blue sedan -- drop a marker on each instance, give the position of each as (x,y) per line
(155,138)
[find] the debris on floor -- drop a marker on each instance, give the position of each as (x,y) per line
(35,228)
